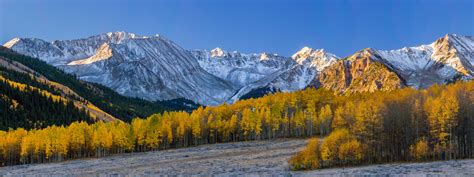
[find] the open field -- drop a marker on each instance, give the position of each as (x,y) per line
(262,158)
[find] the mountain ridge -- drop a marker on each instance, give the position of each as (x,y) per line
(155,68)
(101,101)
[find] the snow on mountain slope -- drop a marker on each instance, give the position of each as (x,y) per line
(60,52)
(155,68)
(241,69)
(310,63)
(36,48)
(440,62)
(253,71)
(152,68)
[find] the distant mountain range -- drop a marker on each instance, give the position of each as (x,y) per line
(155,68)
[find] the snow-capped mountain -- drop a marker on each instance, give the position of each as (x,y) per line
(152,68)
(254,71)
(310,63)
(241,69)
(447,59)
(155,68)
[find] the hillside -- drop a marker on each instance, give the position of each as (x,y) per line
(30,100)
(148,67)
(358,73)
(384,126)
(101,102)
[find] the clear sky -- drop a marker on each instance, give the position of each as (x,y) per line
(283,27)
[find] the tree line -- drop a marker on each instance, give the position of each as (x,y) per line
(119,106)
(26,103)
(404,125)
(401,125)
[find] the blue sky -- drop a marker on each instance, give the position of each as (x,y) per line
(283,27)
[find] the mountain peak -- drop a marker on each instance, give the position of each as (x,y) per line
(16,40)
(12,42)
(452,35)
(302,53)
(129,64)
(312,55)
(453,38)
(218,52)
(264,56)
(307,52)
(119,36)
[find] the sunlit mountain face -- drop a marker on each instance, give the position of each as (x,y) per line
(155,68)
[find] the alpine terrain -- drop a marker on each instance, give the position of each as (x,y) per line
(155,68)
(34,94)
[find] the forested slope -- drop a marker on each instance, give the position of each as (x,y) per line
(29,100)
(31,107)
(105,99)
(387,126)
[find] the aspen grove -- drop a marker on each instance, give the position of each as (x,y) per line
(403,125)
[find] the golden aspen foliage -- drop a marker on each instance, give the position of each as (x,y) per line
(363,128)
(246,124)
(139,128)
(154,134)
(420,150)
(339,120)
(351,151)
(3,145)
(442,113)
(331,144)
(325,116)
(308,158)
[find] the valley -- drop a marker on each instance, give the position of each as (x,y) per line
(262,158)
(236,88)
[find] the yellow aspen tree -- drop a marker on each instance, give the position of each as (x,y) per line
(329,148)
(232,126)
(3,136)
(195,127)
(325,117)
(420,150)
(442,114)
(351,151)
(76,139)
(246,123)
(368,126)
(139,131)
(349,111)
(119,131)
(13,145)
(258,124)
(311,117)
(338,120)
(299,120)
(211,123)
(181,129)
(153,132)
(417,118)
(167,130)
(48,143)
(38,146)
(63,140)
(308,158)
(27,147)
